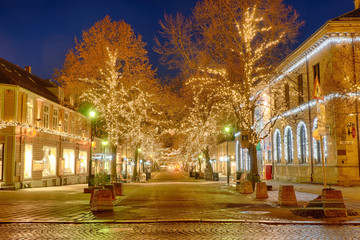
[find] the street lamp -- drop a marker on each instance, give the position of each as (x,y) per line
(227,130)
(92,115)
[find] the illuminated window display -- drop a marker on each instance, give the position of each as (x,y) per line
(28,161)
(49,161)
(69,161)
(82,161)
(1,161)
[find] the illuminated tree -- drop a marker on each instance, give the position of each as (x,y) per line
(109,68)
(236,45)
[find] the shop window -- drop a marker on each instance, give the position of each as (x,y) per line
(316,146)
(49,161)
(30,111)
(82,162)
(277,146)
(69,161)
(1,161)
(28,161)
(302,143)
(289,146)
(46,116)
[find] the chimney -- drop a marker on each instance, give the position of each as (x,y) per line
(28,68)
(357,4)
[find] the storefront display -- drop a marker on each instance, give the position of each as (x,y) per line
(82,162)
(28,161)
(69,161)
(49,161)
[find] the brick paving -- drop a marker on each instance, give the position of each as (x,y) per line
(179,231)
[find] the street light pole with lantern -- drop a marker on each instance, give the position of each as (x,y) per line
(227,131)
(92,115)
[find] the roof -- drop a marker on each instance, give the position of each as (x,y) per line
(350,16)
(14,75)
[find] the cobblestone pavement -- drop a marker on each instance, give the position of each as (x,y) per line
(170,206)
(178,231)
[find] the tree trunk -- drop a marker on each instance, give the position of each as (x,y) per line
(113,164)
(135,173)
(207,158)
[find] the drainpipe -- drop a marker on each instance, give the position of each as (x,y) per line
(310,120)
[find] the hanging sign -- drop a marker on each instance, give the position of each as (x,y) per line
(321,119)
(244,139)
(317,94)
(353,131)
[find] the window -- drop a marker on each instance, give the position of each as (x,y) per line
(66,122)
(69,161)
(316,69)
(72,124)
(28,161)
(301,89)
(55,119)
(30,111)
(49,161)
(288,143)
(277,146)
(1,161)
(317,147)
(82,161)
(46,116)
(287,96)
(302,143)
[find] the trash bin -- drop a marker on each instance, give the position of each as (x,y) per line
(197,175)
(148,176)
(268,172)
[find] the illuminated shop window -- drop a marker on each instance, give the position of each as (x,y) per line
(49,161)
(1,161)
(289,145)
(82,161)
(277,146)
(69,161)
(302,143)
(316,145)
(28,161)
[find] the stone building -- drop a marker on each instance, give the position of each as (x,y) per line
(330,56)
(42,142)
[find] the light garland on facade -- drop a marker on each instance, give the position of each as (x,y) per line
(299,143)
(287,132)
(4,124)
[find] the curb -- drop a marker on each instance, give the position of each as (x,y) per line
(267,222)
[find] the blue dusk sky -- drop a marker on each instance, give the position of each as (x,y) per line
(39,33)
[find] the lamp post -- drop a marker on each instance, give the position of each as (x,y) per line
(227,130)
(92,114)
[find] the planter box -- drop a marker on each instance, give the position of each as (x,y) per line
(101,200)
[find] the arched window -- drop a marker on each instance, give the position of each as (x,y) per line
(302,143)
(277,146)
(316,145)
(289,145)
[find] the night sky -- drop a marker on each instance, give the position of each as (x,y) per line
(40,32)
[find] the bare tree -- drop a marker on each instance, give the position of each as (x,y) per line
(239,43)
